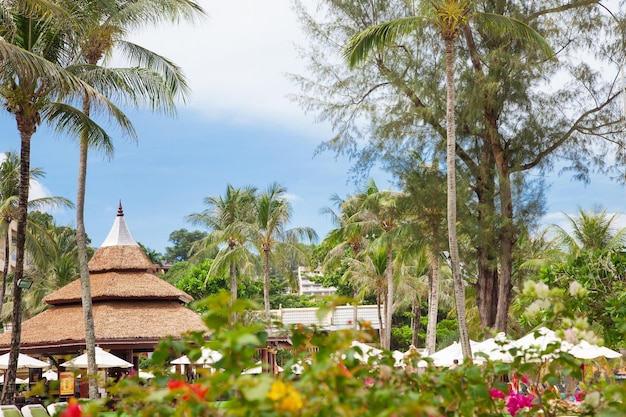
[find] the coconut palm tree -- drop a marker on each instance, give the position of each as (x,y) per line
(347,239)
(227,218)
(378,214)
(273,214)
(35,88)
(9,194)
(590,230)
(153,82)
(369,275)
(449,17)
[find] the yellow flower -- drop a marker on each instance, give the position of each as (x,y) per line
(285,397)
(277,391)
(292,401)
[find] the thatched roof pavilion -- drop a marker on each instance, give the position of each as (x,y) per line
(132,308)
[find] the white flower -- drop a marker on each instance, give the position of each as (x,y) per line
(542,290)
(576,290)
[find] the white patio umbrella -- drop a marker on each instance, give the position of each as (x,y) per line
(23,361)
(104,359)
(17,380)
(50,375)
(208,357)
(447,355)
(586,350)
(495,348)
(367,351)
(256,370)
(536,342)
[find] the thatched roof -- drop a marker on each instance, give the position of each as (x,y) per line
(132,307)
(120,285)
(139,324)
(120,258)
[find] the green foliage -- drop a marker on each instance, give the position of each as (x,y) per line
(182,240)
(154,256)
(334,381)
(196,284)
(176,272)
(602,274)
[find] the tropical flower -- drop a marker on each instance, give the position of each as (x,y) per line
(517,402)
(496,393)
(285,397)
(197,391)
(73,409)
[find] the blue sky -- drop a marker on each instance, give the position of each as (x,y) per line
(238,127)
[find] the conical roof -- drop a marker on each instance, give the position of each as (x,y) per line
(131,305)
(119,251)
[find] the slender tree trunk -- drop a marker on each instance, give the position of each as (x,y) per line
(459,287)
(85,281)
(415,321)
(7,260)
(266,284)
(433,299)
(390,296)
(26,126)
(355,310)
(381,328)
(506,250)
(233,281)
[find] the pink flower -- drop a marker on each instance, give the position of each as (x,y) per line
(525,379)
(518,401)
(369,382)
(580,395)
(496,393)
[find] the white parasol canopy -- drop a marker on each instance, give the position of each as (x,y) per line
(50,375)
(586,350)
(23,361)
(17,380)
(258,369)
(367,351)
(447,355)
(208,357)
(104,359)
(494,348)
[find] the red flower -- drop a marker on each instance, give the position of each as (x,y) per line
(187,390)
(496,393)
(72,410)
(199,390)
(175,384)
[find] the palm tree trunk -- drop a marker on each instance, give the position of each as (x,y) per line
(85,281)
(433,300)
(266,285)
(459,288)
(26,124)
(233,281)
(390,295)
(415,321)
(5,269)
(381,333)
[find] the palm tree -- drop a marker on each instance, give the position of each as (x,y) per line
(449,17)
(590,230)
(226,217)
(9,194)
(36,88)
(347,239)
(424,205)
(378,214)
(273,214)
(154,81)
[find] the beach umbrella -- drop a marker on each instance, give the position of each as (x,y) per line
(23,361)
(495,349)
(258,368)
(208,357)
(534,344)
(50,375)
(17,380)
(586,350)
(104,359)
(447,355)
(366,351)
